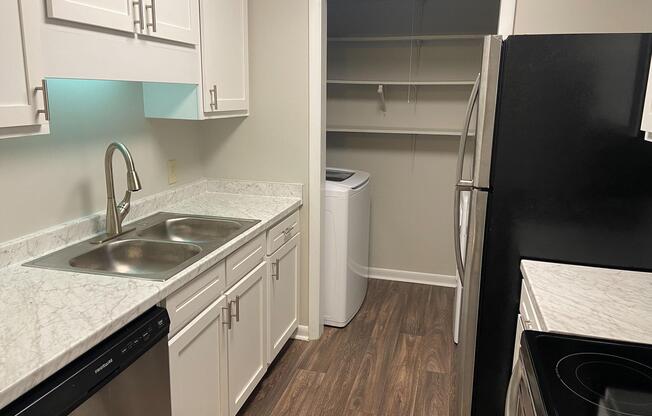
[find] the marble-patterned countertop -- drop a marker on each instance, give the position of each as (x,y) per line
(591,301)
(50,317)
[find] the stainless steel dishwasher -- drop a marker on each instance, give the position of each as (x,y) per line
(127,374)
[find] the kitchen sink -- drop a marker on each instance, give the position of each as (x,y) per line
(155,248)
(136,257)
(194,229)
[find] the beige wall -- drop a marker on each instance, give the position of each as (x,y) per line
(272,143)
(50,179)
(581,16)
(411,196)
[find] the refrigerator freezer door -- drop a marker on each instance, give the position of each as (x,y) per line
(465,354)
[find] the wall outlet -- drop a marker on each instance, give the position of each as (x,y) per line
(172,171)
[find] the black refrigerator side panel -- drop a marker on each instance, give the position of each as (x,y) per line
(571,177)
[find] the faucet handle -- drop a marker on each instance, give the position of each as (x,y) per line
(124,206)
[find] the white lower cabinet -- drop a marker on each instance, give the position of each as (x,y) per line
(282,296)
(247,361)
(218,358)
(198,364)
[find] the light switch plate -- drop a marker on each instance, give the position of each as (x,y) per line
(172,171)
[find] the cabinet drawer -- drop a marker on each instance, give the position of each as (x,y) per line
(282,232)
(243,260)
(526,309)
(187,302)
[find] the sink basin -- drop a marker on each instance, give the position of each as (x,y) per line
(196,229)
(136,257)
(156,248)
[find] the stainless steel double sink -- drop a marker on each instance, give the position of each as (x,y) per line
(157,247)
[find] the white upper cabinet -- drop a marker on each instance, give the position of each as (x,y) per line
(113,14)
(22,97)
(225,56)
(647,110)
(176,20)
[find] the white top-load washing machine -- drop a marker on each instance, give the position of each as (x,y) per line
(346,245)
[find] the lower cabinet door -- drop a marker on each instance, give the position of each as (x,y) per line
(246,337)
(198,369)
(282,296)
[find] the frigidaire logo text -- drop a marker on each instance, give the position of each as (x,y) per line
(103,366)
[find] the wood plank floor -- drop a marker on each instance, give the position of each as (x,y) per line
(394,358)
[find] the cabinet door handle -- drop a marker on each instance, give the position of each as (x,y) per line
(213,92)
(275,273)
(227,312)
(46,105)
(237,308)
(140,21)
(152,9)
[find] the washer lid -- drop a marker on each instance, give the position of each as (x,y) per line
(345,179)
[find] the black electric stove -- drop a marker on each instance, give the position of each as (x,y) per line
(578,376)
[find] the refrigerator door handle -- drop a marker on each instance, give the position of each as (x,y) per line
(460,183)
(458,239)
(473,100)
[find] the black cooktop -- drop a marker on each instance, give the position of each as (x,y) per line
(577,376)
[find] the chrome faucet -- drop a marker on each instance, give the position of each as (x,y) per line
(115,214)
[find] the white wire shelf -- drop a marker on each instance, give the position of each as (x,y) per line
(395,130)
(404,83)
(404,38)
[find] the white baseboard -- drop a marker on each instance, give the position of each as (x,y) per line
(301,333)
(413,277)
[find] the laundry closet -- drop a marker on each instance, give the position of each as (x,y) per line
(399,77)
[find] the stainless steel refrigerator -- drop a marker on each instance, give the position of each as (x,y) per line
(552,165)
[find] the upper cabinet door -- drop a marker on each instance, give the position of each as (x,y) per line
(176,20)
(225,55)
(21,71)
(113,14)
